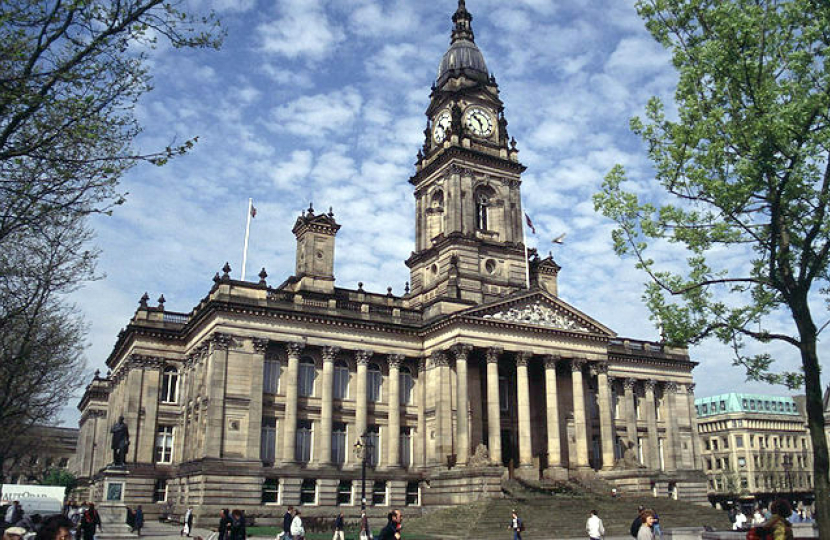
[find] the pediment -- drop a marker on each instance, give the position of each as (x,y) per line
(541,310)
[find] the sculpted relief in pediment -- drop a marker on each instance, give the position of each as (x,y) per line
(540,314)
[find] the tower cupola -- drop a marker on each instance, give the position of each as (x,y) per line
(463,57)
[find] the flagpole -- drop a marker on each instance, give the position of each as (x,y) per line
(247,234)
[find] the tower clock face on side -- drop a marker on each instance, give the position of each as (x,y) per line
(479,122)
(442,127)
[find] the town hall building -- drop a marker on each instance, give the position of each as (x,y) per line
(480,372)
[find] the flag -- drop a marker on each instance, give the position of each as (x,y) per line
(253,211)
(530,224)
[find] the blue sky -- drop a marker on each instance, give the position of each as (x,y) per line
(323,101)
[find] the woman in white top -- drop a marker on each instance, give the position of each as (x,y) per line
(646,532)
(297,530)
(594,526)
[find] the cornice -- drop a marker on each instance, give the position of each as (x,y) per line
(473,156)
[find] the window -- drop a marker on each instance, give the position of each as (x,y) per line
(308,491)
(341,380)
(766,405)
(270,491)
(637,407)
(160,490)
(723,406)
(271,376)
(739,441)
(305,385)
(379,493)
(303,447)
(373,445)
(169,385)
(406,447)
(725,443)
(714,444)
(504,395)
(482,198)
(744,403)
(708,445)
(375,383)
(708,464)
(705,408)
(164,444)
(268,440)
(752,405)
(615,404)
(413,494)
(775,406)
(344,492)
(407,384)
(338,444)
(744,483)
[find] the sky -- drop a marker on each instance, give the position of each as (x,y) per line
(323,101)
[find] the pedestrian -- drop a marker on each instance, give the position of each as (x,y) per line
(365,530)
(758,517)
(638,521)
(14,533)
(781,528)
(646,532)
(658,532)
(297,530)
(237,531)
(130,519)
(399,520)
(391,532)
(594,526)
(287,518)
(740,521)
(224,524)
(339,527)
(55,528)
(90,522)
(516,525)
(138,520)
(187,523)
(14,513)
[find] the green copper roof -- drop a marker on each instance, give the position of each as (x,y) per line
(745,403)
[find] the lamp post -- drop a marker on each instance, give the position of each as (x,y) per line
(362,449)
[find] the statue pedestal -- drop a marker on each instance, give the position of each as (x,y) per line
(112,509)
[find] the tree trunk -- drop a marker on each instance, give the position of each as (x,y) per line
(815,416)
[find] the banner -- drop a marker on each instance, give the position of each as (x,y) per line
(43,500)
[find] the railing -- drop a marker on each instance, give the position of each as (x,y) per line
(280,296)
(176,318)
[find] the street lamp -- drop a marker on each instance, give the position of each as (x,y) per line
(362,450)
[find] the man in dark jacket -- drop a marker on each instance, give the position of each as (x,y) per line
(339,527)
(390,532)
(635,525)
(286,523)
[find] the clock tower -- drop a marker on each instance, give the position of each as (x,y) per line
(468,233)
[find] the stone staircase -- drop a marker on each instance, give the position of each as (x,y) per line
(559,514)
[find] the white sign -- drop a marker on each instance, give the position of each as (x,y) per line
(43,500)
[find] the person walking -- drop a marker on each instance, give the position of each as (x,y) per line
(297,529)
(365,530)
(740,521)
(286,524)
(781,528)
(594,526)
(188,523)
(138,520)
(390,532)
(646,531)
(14,513)
(638,521)
(758,517)
(224,524)
(57,527)
(516,525)
(237,529)
(130,519)
(90,521)
(339,527)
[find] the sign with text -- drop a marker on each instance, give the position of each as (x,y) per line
(43,500)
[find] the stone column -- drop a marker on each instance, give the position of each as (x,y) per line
(361,405)
(395,409)
(463,452)
(214,410)
(493,407)
(327,406)
(580,426)
(673,458)
(651,422)
(523,401)
(696,450)
(443,409)
(630,413)
(606,426)
(260,346)
(421,440)
(289,436)
(552,406)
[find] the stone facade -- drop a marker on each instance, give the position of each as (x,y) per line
(755,447)
(257,396)
(41,449)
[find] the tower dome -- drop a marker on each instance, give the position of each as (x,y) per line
(463,56)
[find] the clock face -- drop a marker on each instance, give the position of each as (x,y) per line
(442,127)
(478,122)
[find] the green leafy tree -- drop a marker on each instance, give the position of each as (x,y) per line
(60,477)
(745,185)
(71,73)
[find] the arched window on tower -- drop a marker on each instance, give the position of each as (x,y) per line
(435,214)
(169,385)
(483,199)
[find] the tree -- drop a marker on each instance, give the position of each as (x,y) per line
(60,477)
(743,171)
(71,72)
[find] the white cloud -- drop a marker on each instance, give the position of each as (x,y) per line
(302,30)
(319,115)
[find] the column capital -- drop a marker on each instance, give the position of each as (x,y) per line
(690,388)
(461,350)
(422,364)
(493,354)
(629,383)
(611,380)
(363,357)
(577,364)
(294,348)
(439,359)
(601,367)
(670,387)
(260,344)
(395,360)
(650,385)
(522,358)
(330,352)
(551,360)
(220,340)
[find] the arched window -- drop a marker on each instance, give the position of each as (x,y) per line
(169,385)
(483,200)
(341,380)
(437,200)
(306,377)
(407,384)
(375,382)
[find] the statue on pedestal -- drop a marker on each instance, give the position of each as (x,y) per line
(120,442)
